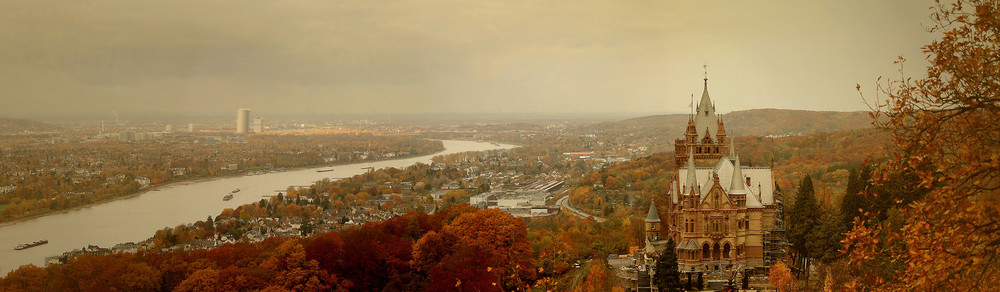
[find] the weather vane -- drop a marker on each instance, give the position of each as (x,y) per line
(706,72)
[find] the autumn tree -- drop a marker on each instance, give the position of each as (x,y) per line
(205,280)
(491,235)
(297,272)
(945,130)
(26,278)
(668,277)
(597,278)
(781,278)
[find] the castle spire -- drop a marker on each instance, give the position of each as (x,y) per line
(738,185)
(692,179)
(705,118)
(674,192)
(732,149)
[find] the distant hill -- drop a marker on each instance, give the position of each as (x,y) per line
(765,122)
(15,126)
(762,122)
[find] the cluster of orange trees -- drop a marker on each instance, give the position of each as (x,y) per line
(458,248)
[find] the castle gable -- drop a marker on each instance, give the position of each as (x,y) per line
(716,198)
(760,192)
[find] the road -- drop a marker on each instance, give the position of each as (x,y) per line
(564,202)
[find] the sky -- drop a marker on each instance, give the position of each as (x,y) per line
(212,57)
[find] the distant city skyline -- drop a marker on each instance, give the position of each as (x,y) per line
(206,58)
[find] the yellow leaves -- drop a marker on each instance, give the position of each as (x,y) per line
(459,282)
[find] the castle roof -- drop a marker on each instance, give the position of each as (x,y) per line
(652,216)
(759,194)
(690,245)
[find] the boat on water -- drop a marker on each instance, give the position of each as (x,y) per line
(236,190)
(227,197)
(33,244)
(324,170)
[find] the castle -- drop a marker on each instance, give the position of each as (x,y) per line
(720,214)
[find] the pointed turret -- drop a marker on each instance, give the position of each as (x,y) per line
(721,135)
(691,134)
(705,118)
(652,216)
(674,192)
(691,186)
(738,186)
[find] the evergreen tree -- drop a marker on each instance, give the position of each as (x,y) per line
(852,204)
(824,240)
(802,220)
(668,278)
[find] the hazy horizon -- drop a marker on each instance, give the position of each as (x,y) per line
(66,59)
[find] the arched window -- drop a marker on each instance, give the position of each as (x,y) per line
(725,250)
(706,252)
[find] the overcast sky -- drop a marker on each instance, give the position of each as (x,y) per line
(207,57)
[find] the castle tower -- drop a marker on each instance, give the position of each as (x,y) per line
(705,135)
(653,226)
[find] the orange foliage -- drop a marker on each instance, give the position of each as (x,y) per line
(945,131)
(781,278)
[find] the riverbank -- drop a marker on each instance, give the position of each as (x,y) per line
(180,203)
(185,181)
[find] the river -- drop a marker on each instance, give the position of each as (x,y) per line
(137,218)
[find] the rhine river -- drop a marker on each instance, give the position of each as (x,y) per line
(137,218)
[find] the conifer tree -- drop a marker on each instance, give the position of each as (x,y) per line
(802,221)
(824,240)
(668,278)
(852,204)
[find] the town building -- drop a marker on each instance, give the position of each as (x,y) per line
(720,213)
(258,125)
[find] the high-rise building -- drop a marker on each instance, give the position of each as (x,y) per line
(243,121)
(191,127)
(258,125)
(169,128)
